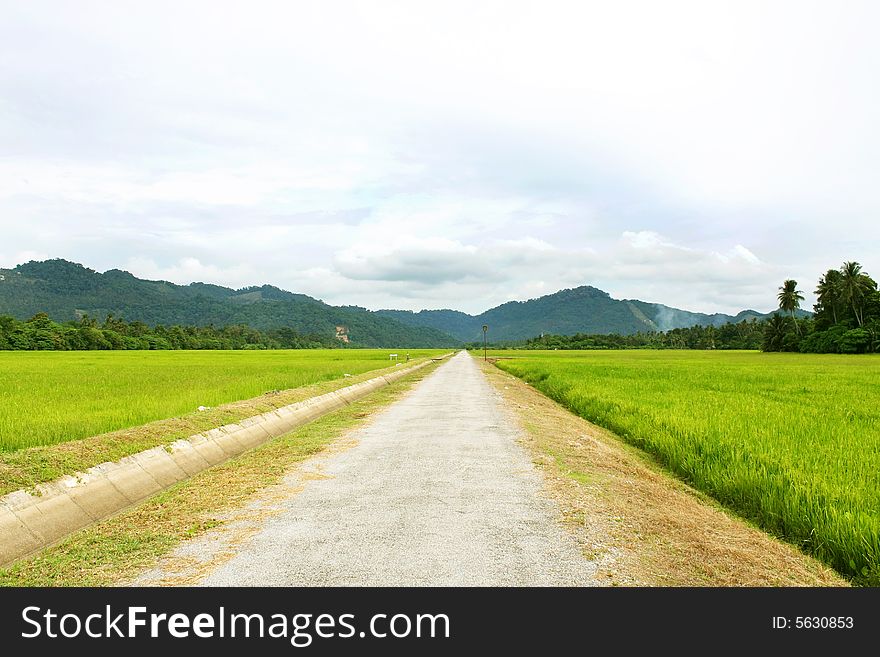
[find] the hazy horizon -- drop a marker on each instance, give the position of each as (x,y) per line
(446,155)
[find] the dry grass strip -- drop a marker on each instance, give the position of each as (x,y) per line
(26,468)
(116,550)
(642,525)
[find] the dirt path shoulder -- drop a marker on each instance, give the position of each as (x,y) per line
(433,491)
(641,525)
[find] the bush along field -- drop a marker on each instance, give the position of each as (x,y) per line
(50,397)
(790,441)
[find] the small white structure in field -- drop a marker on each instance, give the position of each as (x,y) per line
(392,356)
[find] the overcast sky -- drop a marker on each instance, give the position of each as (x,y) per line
(445,155)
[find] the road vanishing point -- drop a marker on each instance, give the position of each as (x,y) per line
(436,491)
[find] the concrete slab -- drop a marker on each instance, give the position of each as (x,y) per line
(436,492)
(28,522)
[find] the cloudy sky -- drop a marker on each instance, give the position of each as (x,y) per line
(445,154)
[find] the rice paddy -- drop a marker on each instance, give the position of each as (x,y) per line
(49,397)
(790,441)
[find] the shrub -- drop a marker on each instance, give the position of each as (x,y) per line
(855,341)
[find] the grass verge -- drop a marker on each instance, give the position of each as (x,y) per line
(637,521)
(28,467)
(115,550)
(788,441)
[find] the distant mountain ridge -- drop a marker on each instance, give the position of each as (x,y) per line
(66,290)
(582,309)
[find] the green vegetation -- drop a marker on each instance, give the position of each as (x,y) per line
(846,319)
(65,291)
(52,397)
(747,334)
(584,310)
(789,441)
(117,549)
(40,333)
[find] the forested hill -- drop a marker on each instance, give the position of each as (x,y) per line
(567,312)
(66,291)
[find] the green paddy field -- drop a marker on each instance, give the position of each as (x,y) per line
(49,397)
(791,441)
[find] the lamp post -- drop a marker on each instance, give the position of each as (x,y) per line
(485,328)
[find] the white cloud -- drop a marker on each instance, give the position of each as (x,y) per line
(739,251)
(459,155)
(415,273)
(10,261)
(433,260)
(190,270)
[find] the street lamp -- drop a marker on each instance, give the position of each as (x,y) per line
(485,328)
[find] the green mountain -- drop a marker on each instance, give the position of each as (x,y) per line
(66,290)
(580,310)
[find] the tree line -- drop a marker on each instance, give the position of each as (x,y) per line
(41,333)
(845,320)
(64,290)
(846,316)
(747,334)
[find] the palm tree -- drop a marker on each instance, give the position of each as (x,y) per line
(774,332)
(790,300)
(854,285)
(828,292)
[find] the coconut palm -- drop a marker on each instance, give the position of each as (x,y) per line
(828,292)
(774,332)
(790,300)
(854,287)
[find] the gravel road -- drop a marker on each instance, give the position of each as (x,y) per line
(435,492)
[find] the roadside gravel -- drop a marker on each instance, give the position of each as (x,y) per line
(435,491)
